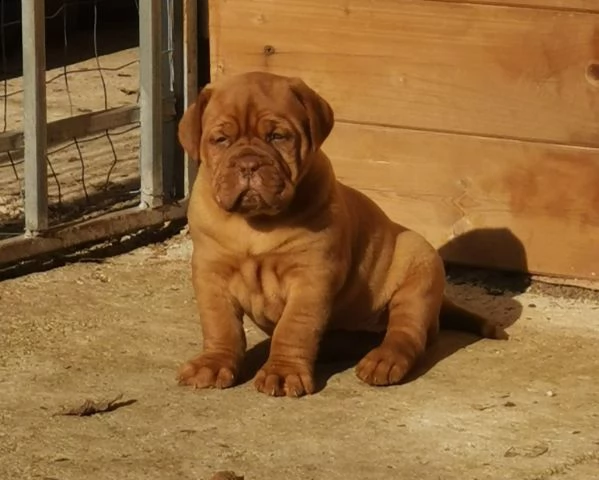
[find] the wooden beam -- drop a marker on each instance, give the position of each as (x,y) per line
(77,126)
(86,124)
(102,228)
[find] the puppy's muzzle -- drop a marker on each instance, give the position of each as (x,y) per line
(250,181)
(248,165)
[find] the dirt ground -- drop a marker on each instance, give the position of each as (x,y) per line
(522,409)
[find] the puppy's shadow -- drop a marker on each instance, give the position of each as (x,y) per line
(339,351)
(505,276)
(255,357)
(498,249)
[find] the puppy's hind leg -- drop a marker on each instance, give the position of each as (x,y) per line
(413,318)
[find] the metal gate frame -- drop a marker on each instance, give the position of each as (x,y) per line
(168,84)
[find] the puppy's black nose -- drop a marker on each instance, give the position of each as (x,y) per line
(248,165)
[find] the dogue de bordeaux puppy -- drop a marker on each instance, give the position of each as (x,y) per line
(277,238)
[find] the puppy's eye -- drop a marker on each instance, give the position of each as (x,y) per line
(276,137)
(219,140)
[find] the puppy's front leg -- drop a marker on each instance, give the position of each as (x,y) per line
(223,335)
(289,369)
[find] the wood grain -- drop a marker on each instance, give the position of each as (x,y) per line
(580,5)
(439,66)
(472,122)
(486,202)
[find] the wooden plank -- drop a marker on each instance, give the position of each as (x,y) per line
(102,228)
(576,5)
(34,116)
(484,202)
(437,66)
(82,125)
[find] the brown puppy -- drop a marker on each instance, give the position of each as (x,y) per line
(276,237)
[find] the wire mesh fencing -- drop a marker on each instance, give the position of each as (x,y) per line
(92,53)
(88,115)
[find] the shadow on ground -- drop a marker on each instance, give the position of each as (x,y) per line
(341,351)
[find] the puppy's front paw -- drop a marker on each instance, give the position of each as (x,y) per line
(384,365)
(207,371)
(279,379)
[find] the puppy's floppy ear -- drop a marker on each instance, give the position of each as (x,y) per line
(190,126)
(320,114)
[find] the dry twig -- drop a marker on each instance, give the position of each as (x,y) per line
(91,407)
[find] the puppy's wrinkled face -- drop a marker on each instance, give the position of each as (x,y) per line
(255,133)
(252,143)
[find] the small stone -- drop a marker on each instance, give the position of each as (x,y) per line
(226,476)
(530,451)
(550,393)
(128,91)
(96,275)
(509,404)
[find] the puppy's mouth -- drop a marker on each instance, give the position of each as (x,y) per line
(252,185)
(249,200)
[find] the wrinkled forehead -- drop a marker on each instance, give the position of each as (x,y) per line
(250,101)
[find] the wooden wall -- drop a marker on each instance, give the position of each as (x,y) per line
(474,123)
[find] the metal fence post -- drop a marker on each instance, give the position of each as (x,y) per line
(190,78)
(172,92)
(34,115)
(150,63)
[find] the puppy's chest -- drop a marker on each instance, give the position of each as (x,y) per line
(260,290)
